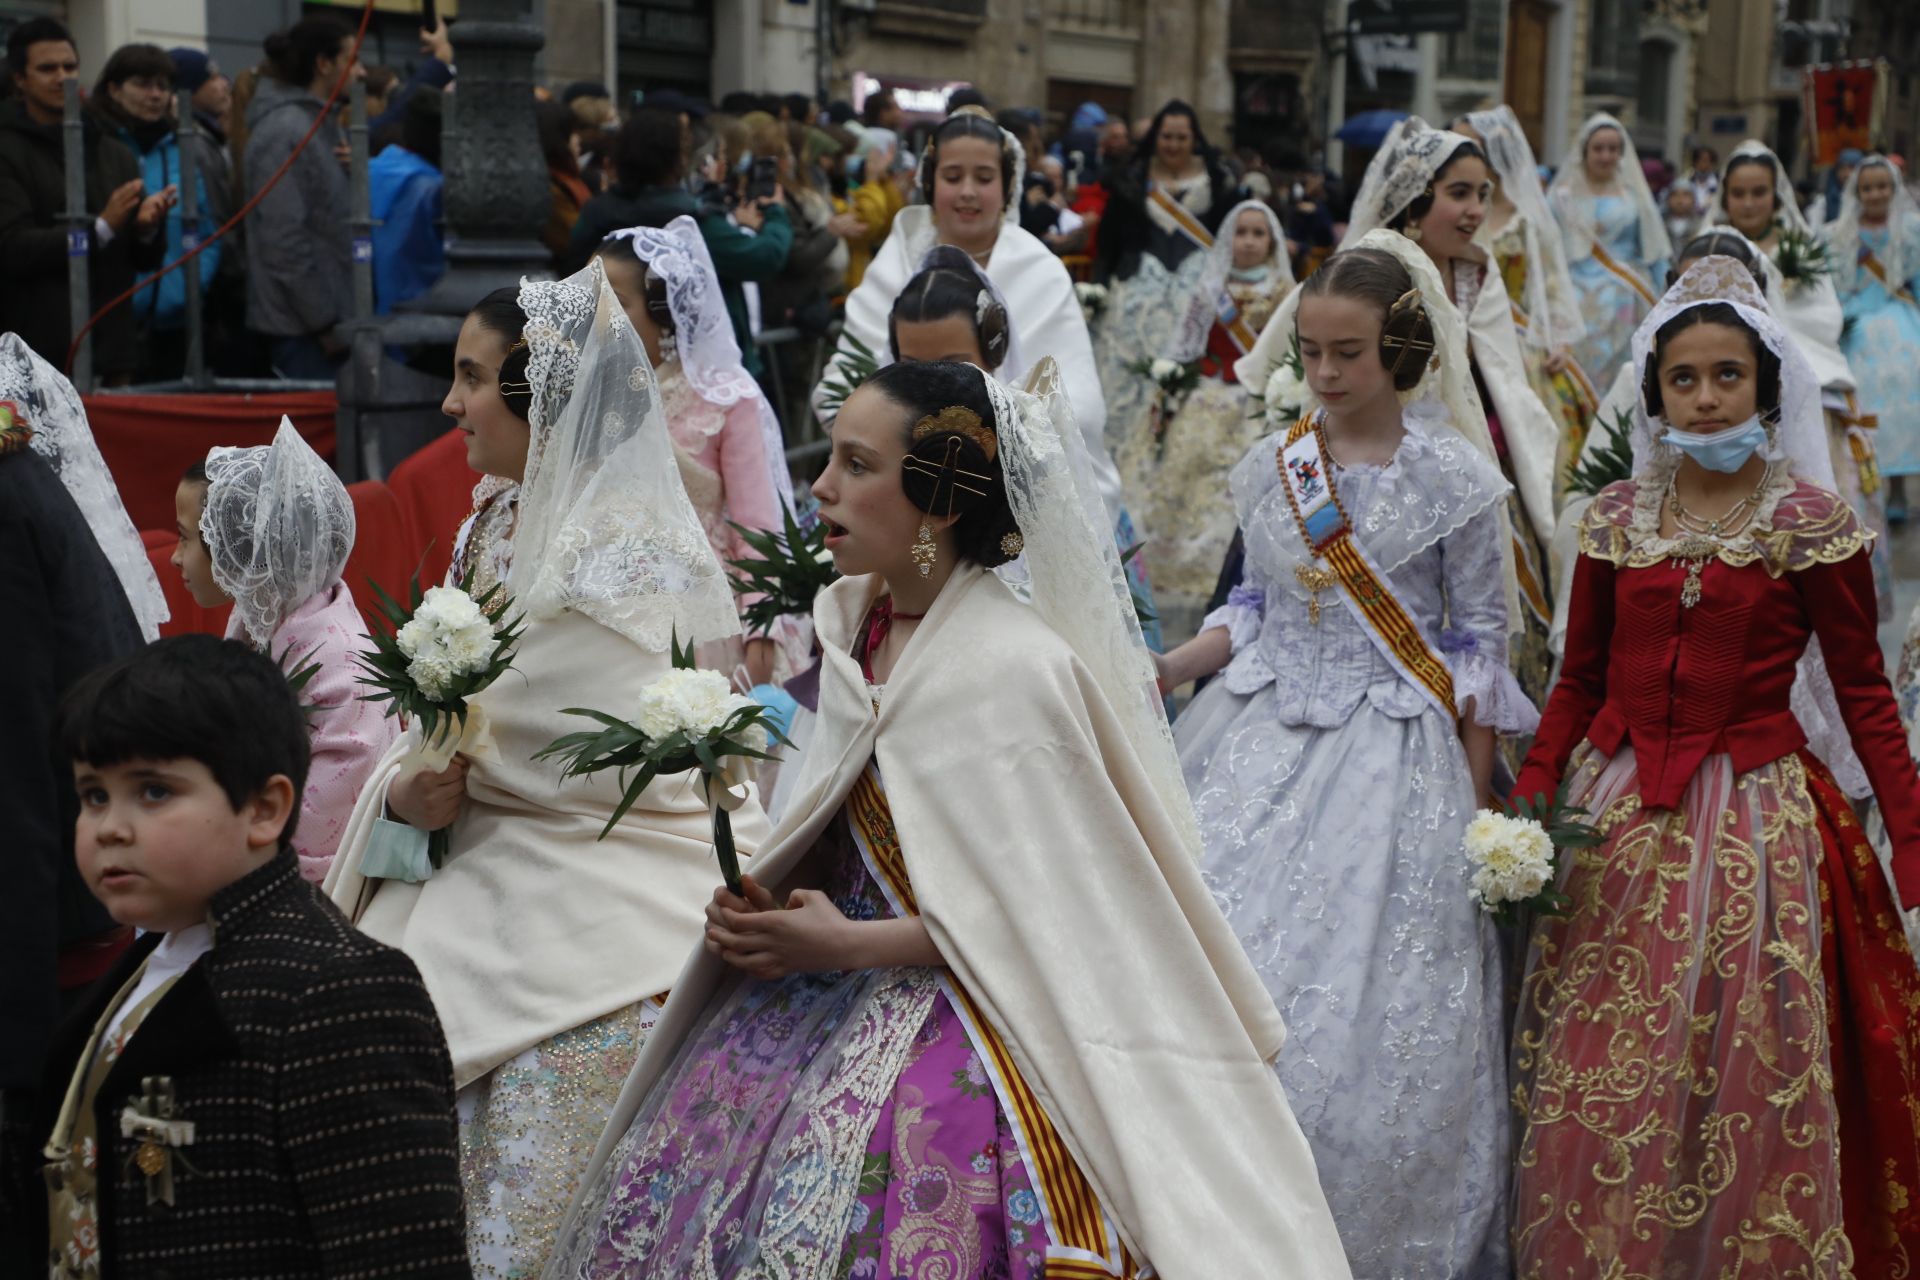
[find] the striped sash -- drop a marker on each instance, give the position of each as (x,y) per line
(1083,1242)
(1627,275)
(1179,215)
(1871,262)
(1329,536)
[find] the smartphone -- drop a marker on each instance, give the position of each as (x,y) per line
(764,177)
(429,17)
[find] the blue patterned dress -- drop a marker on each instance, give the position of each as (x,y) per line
(1882,343)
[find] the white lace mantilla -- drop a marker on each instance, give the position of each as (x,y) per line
(605,524)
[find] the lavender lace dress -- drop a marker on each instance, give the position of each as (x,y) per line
(823,1125)
(1333,798)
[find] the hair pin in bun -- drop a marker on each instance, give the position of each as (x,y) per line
(957,419)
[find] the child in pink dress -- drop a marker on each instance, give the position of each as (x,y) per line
(270,529)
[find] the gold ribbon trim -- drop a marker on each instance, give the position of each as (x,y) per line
(1386,619)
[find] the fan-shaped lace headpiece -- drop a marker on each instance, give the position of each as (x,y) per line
(1511,155)
(279,527)
(1400,172)
(1572,195)
(1901,257)
(1786,203)
(1203,308)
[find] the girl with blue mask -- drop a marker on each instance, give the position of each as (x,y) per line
(1697,969)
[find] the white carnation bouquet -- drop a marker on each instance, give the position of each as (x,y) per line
(1093,300)
(438,650)
(1174,380)
(1285,395)
(689,719)
(1515,851)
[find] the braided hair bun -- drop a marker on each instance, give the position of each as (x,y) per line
(952,465)
(949,285)
(1377,278)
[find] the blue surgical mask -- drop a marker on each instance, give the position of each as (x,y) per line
(1723,451)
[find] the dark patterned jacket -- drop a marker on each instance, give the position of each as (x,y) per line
(314,1069)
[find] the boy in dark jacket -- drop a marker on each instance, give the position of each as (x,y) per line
(258,1090)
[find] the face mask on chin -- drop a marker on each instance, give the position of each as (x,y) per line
(1723,451)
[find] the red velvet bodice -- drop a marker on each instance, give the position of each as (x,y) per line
(1683,683)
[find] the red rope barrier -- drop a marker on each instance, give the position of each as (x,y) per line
(320,118)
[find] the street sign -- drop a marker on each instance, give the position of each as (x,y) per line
(1407,17)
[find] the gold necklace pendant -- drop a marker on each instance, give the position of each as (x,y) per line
(1315,580)
(1694,552)
(1690,589)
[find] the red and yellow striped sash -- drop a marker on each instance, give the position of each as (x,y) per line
(1398,635)
(1084,1244)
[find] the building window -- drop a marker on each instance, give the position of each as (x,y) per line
(1613,44)
(1656,67)
(1474,54)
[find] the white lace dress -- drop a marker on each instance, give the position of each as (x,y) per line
(1332,800)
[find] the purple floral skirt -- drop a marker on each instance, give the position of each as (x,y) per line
(824,1125)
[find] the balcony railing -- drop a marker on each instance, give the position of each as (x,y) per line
(1096,15)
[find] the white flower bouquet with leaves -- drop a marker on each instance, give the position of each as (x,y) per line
(1093,300)
(438,650)
(689,719)
(1515,850)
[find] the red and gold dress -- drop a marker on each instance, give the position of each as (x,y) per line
(1716,1059)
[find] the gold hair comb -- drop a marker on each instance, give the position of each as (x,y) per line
(959,420)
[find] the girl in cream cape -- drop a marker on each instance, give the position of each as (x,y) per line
(547,949)
(1000,1028)
(1524,244)
(969,178)
(1432,186)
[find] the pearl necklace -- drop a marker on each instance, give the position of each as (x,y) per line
(1706,536)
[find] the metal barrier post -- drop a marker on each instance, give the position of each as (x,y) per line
(79,235)
(360,194)
(187,135)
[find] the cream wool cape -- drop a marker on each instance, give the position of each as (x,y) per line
(1046,315)
(1533,438)
(1058,890)
(532,926)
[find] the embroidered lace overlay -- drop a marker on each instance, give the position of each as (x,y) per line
(529,1127)
(1797,525)
(1672,1059)
(821,1126)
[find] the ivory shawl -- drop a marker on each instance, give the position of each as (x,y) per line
(1532,436)
(533,926)
(1042,304)
(1057,889)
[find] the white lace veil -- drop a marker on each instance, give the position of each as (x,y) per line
(605,526)
(1400,171)
(1518,172)
(279,527)
(1572,195)
(1799,441)
(1074,577)
(1444,399)
(1843,233)
(703,336)
(61,435)
(1785,201)
(1203,308)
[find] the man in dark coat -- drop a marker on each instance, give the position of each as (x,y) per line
(124,238)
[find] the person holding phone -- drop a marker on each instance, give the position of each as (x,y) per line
(749,244)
